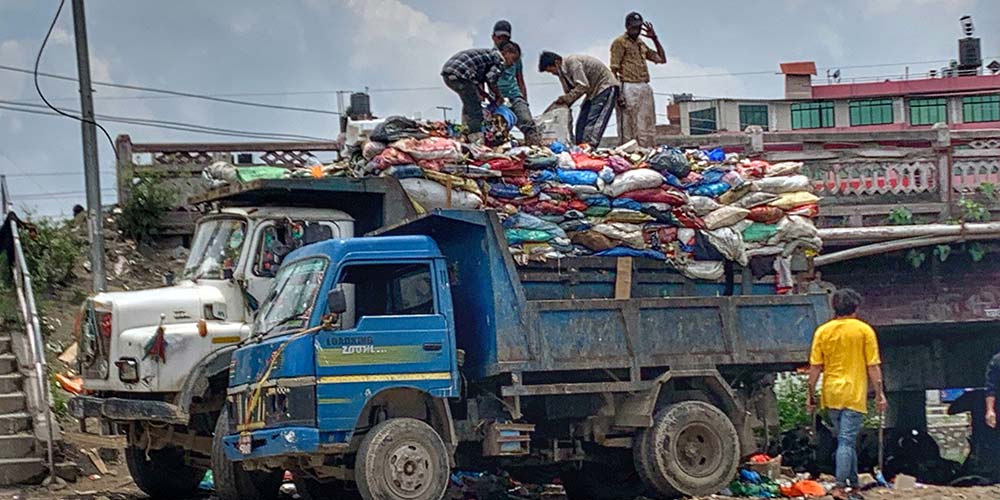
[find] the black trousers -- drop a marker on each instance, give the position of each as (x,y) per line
(594,116)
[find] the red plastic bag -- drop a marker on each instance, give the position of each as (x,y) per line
(755,169)
(390,157)
(584,161)
(658,237)
(688,218)
(550,208)
(504,164)
(655,195)
(810,210)
(766,214)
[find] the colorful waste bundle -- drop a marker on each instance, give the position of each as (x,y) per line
(694,209)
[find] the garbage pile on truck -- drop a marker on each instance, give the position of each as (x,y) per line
(692,208)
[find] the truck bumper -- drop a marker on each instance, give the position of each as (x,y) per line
(275,442)
(122,409)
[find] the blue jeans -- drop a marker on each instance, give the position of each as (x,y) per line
(847,425)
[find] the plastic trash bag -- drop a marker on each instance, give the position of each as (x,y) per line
(566,161)
(395,128)
(220,173)
(404,171)
(810,210)
(371,149)
(627,216)
(710,271)
(717,155)
(541,162)
(629,234)
(729,242)
(784,168)
(584,161)
(724,217)
(634,180)
(766,215)
(389,157)
(713,190)
(759,232)
(555,124)
(631,252)
(606,174)
(755,199)
(783,184)
(657,195)
(518,236)
(671,160)
(527,221)
(788,201)
(506,191)
(702,205)
(431,148)
(592,240)
(578,177)
(626,203)
(584,190)
(430,195)
(794,227)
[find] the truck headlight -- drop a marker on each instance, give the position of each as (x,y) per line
(128,370)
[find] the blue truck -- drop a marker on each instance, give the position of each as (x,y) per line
(619,376)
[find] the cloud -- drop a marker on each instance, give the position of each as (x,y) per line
(832,41)
(883,7)
(60,36)
(13,53)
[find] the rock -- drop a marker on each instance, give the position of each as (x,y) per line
(905,482)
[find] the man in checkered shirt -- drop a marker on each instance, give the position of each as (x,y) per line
(473,75)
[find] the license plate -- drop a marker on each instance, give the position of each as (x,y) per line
(244,444)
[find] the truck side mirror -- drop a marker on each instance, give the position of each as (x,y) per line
(336,301)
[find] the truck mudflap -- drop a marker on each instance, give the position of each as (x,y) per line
(280,442)
(126,409)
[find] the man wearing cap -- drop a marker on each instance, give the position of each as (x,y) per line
(467,72)
(629,54)
(512,88)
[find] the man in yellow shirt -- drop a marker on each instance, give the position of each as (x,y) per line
(845,351)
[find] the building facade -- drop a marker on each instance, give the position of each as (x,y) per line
(962,102)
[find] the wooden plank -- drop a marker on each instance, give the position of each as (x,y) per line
(95,457)
(849,210)
(623,279)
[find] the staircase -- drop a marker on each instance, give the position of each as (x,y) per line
(22,452)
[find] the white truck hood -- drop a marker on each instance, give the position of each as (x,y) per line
(183,303)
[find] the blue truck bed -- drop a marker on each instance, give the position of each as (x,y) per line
(563,317)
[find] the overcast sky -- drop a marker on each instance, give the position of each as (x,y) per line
(252,46)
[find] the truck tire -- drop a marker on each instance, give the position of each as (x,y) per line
(164,476)
(402,459)
(231,481)
(691,449)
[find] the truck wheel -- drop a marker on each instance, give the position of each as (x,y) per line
(691,449)
(231,481)
(165,475)
(402,459)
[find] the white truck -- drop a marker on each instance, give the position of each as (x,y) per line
(155,362)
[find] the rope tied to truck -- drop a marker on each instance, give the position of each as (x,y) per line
(254,400)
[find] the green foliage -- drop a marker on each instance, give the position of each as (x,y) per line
(791,394)
(900,216)
(142,212)
(52,250)
(989,190)
(973,211)
(942,252)
(60,400)
(916,258)
(977,252)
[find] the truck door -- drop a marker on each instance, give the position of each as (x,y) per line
(276,239)
(401,338)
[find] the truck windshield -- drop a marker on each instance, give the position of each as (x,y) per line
(291,300)
(216,247)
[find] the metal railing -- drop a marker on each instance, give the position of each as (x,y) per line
(32,324)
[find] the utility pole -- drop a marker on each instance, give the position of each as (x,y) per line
(95,216)
(444,112)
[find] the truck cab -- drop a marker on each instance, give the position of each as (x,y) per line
(154,361)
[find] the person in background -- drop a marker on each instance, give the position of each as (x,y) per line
(588,77)
(473,75)
(992,388)
(845,352)
(511,85)
(629,54)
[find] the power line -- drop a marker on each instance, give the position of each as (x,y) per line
(38,88)
(175,93)
(170,125)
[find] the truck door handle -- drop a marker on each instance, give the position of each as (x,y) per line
(432,346)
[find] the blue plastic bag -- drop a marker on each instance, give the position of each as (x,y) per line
(606,174)
(597,200)
(506,191)
(578,177)
(713,190)
(717,155)
(404,171)
(631,252)
(627,203)
(557,147)
(544,176)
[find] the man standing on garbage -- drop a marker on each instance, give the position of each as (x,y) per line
(473,75)
(583,75)
(629,54)
(511,85)
(845,351)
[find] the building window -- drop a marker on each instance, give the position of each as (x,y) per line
(928,111)
(818,114)
(981,108)
(871,112)
(703,121)
(753,114)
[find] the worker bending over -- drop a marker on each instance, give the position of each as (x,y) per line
(584,76)
(473,75)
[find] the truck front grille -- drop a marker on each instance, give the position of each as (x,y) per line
(279,405)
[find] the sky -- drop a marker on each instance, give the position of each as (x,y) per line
(307,49)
